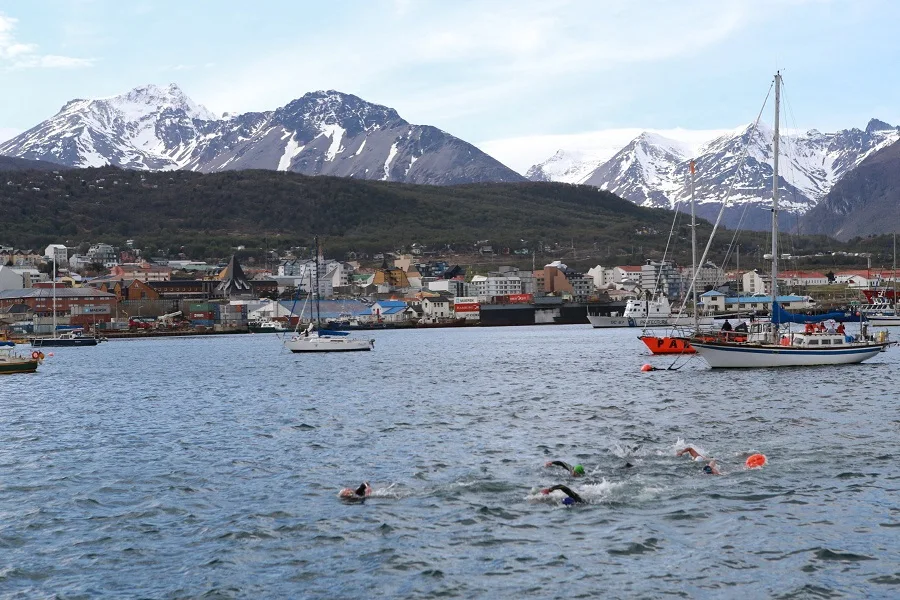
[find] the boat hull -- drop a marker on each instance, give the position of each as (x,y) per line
(59,343)
(12,367)
(667,345)
(600,321)
(256,329)
(328,344)
(884,320)
(734,356)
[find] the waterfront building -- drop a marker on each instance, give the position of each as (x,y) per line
(83,306)
(386,311)
(10,279)
(435,308)
(717,302)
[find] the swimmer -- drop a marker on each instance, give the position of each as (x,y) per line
(710,468)
(571,497)
(576,471)
(694,454)
(361,493)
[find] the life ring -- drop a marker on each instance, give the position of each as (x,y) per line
(35,355)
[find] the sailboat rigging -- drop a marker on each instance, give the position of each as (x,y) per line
(886,312)
(74,337)
(670,344)
(769,344)
(312,338)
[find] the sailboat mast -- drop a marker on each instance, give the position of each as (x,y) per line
(894,274)
(775,144)
(54,293)
(694,250)
(318,308)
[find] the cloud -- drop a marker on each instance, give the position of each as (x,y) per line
(19,55)
(426,49)
(520,153)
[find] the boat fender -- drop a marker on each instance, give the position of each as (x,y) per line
(647,368)
(35,355)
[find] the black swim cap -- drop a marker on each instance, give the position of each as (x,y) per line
(707,469)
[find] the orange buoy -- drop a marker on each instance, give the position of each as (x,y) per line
(51,354)
(646,368)
(755,461)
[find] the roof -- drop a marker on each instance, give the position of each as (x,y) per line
(233,278)
(391,304)
(802,274)
(60,293)
(629,268)
(765,299)
(711,293)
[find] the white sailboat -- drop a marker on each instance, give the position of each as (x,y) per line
(771,344)
(311,339)
(882,312)
(74,337)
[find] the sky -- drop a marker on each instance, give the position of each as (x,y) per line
(518,78)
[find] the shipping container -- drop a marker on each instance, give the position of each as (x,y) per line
(206,316)
(202,322)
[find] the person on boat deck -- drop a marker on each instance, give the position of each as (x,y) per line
(571,497)
(361,493)
(576,471)
(742,326)
(840,329)
(709,468)
(831,327)
(726,326)
(809,328)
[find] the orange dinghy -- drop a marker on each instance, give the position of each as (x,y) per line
(667,345)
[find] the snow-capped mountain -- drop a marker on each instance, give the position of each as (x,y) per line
(653,170)
(321,133)
(566,166)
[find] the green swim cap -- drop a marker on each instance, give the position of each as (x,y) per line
(578,470)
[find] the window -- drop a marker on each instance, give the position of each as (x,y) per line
(812,342)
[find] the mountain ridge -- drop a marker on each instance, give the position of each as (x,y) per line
(326,132)
(652,170)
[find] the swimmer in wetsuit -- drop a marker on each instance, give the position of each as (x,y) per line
(576,471)
(361,493)
(571,497)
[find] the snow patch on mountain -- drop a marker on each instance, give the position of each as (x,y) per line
(291,149)
(390,159)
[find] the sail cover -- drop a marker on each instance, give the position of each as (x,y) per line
(779,315)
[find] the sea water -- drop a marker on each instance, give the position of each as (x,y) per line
(210,467)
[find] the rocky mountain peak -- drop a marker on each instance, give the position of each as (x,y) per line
(326,132)
(878,125)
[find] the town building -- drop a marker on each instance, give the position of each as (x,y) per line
(716,302)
